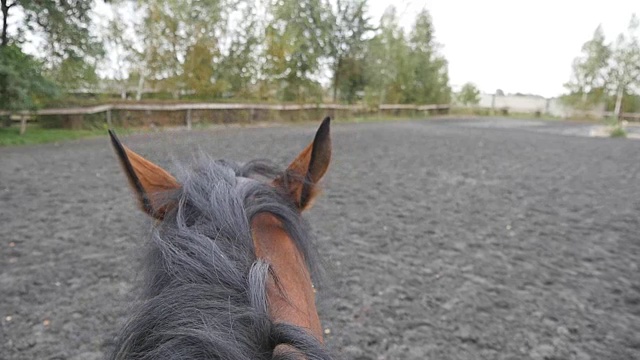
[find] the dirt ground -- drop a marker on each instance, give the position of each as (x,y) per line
(456,239)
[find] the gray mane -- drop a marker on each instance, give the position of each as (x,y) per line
(204,291)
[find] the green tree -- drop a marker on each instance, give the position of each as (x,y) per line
(120,43)
(240,69)
(469,94)
(608,73)
(589,76)
(387,71)
(406,69)
(198,70)
(351,30)
(297,39)
(429,82)
(69,50)
(624,70)
(181,42)
(67,55)
(26,85)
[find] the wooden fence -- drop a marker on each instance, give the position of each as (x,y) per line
(185,113)
(623,116)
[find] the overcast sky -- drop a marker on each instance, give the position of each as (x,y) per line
(515,45)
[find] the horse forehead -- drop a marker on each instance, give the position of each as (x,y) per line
(263,221)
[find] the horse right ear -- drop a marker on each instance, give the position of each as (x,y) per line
(301,178)
(151,184)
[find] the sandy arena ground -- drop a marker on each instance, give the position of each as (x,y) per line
(452,239)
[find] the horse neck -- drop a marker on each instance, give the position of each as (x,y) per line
(292,299)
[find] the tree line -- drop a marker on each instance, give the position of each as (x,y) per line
(608,72)
(215,49)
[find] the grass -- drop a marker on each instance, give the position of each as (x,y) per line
(618,132)
(616,128)
(37,135)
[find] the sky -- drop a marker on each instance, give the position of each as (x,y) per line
(514,45)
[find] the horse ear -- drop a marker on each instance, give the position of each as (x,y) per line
(303,174)
(151,184)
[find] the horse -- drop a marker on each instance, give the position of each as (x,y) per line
(229,270)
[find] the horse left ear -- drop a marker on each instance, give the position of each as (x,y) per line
(151,184)
(301,179)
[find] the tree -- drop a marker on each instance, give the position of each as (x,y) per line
(607,71)
(70,52)
(240,67)
(181,41)
(403,68)
(198,71)
(297,39)
(469,94)
(6,55)
(5,6)
(120,43)
(67,55)
(26,86)
(387,70)
(624,71)
(590,72)
(350,33)
(429,82)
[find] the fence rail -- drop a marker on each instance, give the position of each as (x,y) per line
(189,113)
(30,115)
(414,107)
(217,106)
(632,116)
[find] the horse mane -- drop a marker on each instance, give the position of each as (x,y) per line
(204,290)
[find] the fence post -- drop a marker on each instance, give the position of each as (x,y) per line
(547,107)
(188,119)
(23,124)
(493,104)
(109,118)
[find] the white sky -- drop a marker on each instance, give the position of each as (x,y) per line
(515,45)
